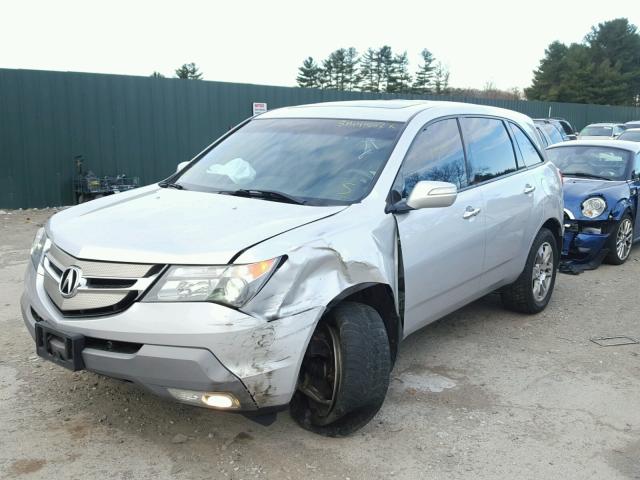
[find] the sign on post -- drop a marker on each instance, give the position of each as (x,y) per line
(259,107)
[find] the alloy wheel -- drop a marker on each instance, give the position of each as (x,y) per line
(542,271)
(624,239)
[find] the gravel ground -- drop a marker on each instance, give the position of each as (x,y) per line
(483,393)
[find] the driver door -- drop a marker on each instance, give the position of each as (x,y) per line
(442,248)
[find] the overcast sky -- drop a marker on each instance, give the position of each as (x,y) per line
(265,41)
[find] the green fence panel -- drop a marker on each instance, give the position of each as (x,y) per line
(144,127)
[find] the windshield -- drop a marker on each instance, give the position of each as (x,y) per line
(630,136)
(551,131)
(596,132)
(589,161)
(316,161)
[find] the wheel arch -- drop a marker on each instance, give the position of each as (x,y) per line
(555,227)
(380,297)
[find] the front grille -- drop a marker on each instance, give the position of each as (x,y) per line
(105,287)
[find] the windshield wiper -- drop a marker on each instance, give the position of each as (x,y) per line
(265,194)
(584,175)
(177,186)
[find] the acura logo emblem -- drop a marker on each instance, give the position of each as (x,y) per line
(70,280)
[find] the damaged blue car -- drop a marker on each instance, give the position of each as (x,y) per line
(601,182)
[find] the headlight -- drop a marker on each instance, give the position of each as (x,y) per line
(232,285)
(38,247)
(593,207)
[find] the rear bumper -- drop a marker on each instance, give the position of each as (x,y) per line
(198,347)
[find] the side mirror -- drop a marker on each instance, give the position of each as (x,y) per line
(181,165)
(428,194)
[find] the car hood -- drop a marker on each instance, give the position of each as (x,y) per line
(577,190)
(159,225)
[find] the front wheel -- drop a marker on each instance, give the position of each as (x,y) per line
(531,292)
(620,241)
(344,375)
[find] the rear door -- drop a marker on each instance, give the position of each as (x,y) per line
(508,195)
(442,248)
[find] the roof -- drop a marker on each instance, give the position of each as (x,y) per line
(604,124)
(620,144)
(386,110)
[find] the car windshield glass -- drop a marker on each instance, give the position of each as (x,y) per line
(552,132)
(316,161)
(597,131)
(591,161)
(630,136)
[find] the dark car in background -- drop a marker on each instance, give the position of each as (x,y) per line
(601,181)
(567,127)
(553,130)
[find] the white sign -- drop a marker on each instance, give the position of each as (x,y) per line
(259,107)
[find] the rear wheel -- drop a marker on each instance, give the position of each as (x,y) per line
(345,372)
(621,241)
(531,292)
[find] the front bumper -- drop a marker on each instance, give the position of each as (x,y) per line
(584,241)
(191,346)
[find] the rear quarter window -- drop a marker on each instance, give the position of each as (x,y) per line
(528,151)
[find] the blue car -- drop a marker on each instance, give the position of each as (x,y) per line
(601,181)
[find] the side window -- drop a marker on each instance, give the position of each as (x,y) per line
(436,154)
(489,148)
(529,153)
(542,137)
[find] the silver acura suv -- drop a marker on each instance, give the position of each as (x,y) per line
(284,264)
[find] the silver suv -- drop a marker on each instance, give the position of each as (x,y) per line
(285,263)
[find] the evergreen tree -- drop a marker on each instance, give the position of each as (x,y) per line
(548,78)
(441,79)
(400,78)
(423,82)
(387,69)
(189,71)
(604,69)
(371,71)
(351,70)
(309,74)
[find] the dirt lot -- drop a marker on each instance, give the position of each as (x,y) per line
(481,394)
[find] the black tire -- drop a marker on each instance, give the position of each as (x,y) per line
(614,257)
(363,373)
(519,296)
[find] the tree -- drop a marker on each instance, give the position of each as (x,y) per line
(604,68)
(441,79)
(371,71)
(423,82)
(157,75)
(399,78)
(339,71)
(309,74)
(189,71)
(548,78)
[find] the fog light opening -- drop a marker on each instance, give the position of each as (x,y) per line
(220,400)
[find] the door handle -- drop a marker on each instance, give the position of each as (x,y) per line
(528,188)
(470,212)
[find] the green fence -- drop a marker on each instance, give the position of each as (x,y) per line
(145,126)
